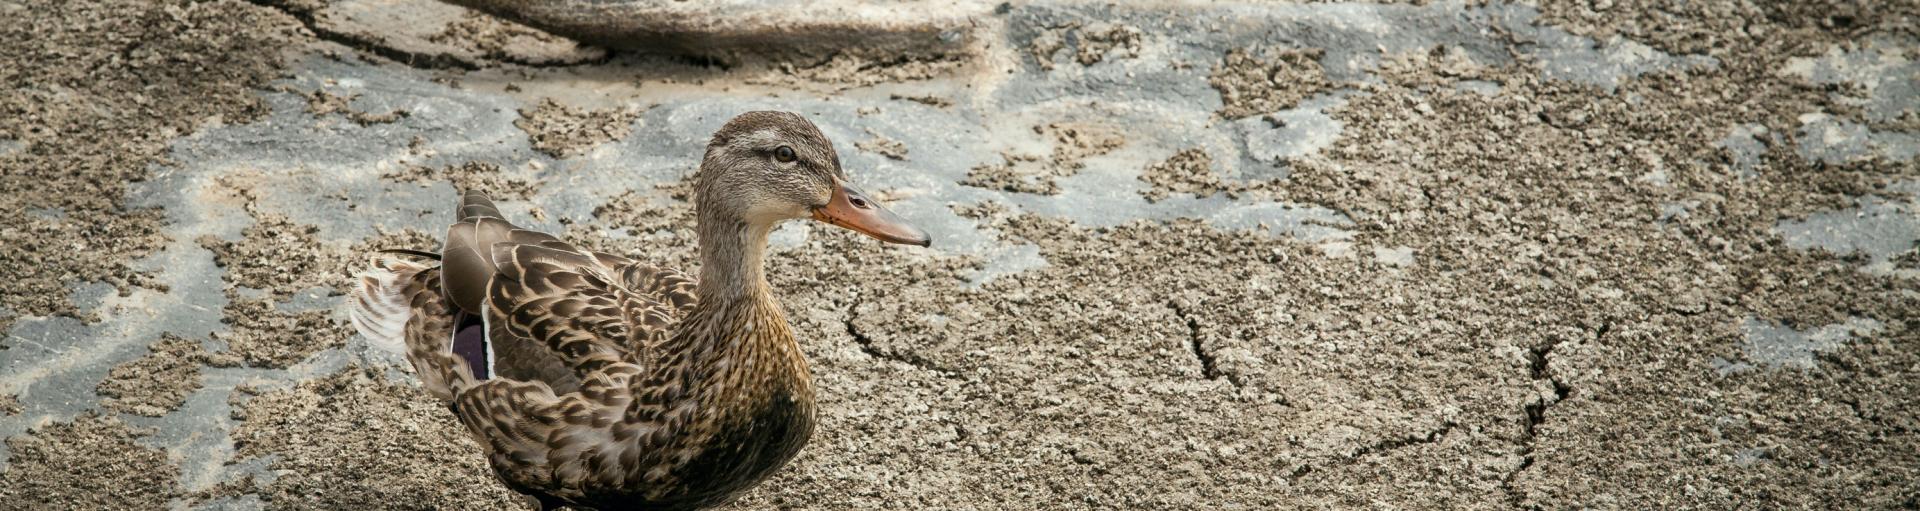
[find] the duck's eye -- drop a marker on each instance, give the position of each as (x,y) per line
(785,154)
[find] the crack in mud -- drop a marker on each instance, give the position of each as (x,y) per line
(867,347)
(1209,365)
(1384,446)
(1538,367)
(1397,443)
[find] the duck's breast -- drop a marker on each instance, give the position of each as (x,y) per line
(750,449)
(743,451)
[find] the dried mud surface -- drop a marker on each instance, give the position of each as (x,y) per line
(84,107)
(1254,82)
(564,131)
(90,462)
(1536,306)
(355,440)
(159,382)
(1191,172)
(1030,173)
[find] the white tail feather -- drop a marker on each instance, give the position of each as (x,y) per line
(380,308)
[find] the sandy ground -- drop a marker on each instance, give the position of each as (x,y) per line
(1607,254)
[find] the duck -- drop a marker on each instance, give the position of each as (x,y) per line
(596,381)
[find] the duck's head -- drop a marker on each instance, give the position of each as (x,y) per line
(766,167)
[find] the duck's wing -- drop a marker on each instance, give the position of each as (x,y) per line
(568,331)
(572,307)
(554,313)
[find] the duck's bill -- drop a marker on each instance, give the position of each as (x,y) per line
(854,210)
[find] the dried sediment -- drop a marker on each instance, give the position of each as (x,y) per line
(1091,43)
(91,462)
(1254,82)
(158,383)
(479,176)
(890,148)
(1028,173)
(1190,172)
(401,446)
(99,90)
(321,103)
(564,131)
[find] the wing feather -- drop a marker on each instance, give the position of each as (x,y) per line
(570,330)
(583,311)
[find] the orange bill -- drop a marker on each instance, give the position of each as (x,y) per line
(852,209)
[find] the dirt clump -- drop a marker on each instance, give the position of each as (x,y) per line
(321,103)
(159,382)
(264,336)
(505,41)
(354,440)
(1253,82)
(929,100)
(1027,173)
(564,131)
(1098,39)
(474,175)
(1018,172)
(1092,43)
(10,405)
(279,256)
(1909,260)
(881,145)
(847,70)
(91,462)
(1049,43)
(1190,171)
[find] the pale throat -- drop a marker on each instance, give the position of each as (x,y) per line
(733,259)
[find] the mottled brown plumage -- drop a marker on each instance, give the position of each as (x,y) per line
(616,384)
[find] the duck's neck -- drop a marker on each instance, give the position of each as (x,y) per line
(732,261)
(731,386)
(737,325)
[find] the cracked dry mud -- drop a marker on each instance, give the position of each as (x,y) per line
(1538,292)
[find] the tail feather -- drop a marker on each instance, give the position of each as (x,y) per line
(474,204)
(380,305)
